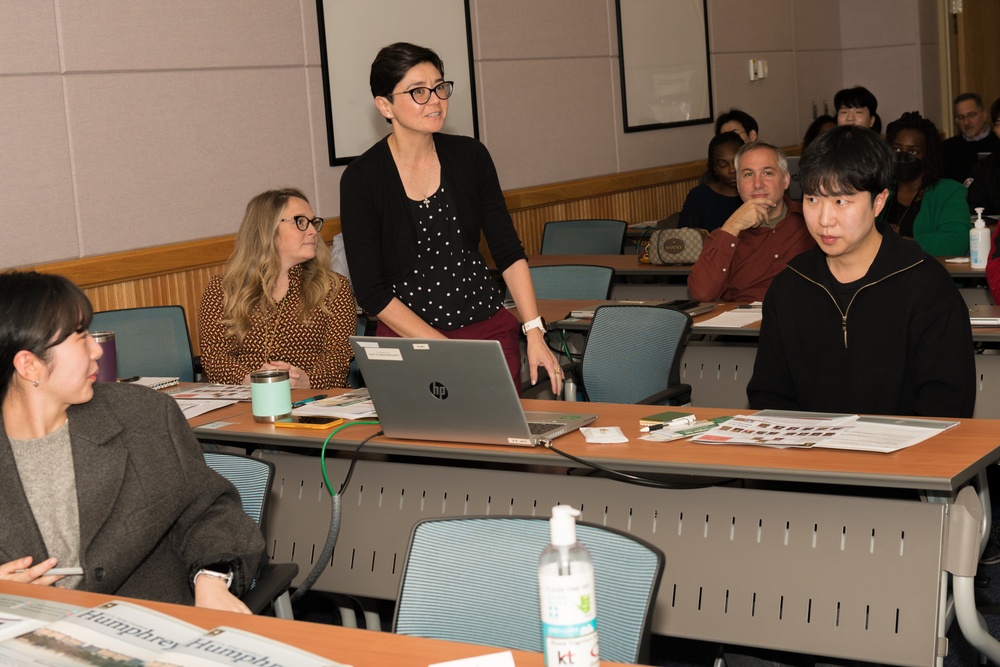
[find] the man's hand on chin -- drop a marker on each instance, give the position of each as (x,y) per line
(753,213)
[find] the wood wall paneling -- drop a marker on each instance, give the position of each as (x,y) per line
(177,273)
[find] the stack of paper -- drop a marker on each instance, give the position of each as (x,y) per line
(355,404)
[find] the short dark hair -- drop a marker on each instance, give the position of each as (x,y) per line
(814,128)
(739,116)
(995,110)
(37,312)
(857,97)
(933,153)
(721,140)
(393,62)
(966,97)
(846,160)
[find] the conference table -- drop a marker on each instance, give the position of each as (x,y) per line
(838,553)
(345,645)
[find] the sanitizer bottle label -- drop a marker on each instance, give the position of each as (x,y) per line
(569,621)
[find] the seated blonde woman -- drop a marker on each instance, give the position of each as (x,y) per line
(277,305)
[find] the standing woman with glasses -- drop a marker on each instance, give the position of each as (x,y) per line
(413,209)
(277,305)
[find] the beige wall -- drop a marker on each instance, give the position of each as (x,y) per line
(135,123)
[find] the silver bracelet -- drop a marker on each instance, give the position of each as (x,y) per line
(228,576)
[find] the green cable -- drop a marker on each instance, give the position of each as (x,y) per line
(322,451)
(566,346)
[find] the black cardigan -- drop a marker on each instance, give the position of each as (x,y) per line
(380,234)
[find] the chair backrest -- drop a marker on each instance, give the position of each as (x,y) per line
(366,327)
(572,281)
(251,477)
(475,579)
(583,237)
(149,341)
(632,352)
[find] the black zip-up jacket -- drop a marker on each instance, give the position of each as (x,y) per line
(901,346)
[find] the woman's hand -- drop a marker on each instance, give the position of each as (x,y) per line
(539,354)
(212,593)
(299,378)
(23,572)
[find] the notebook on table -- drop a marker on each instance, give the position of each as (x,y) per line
(453,391)
(984,316)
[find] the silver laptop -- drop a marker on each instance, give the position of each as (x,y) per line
(984,316)
(452,390)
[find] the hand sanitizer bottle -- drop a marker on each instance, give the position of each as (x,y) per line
(566,593)
(979,242)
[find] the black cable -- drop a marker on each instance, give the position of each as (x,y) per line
(354,460)
(635,479)
(335,507)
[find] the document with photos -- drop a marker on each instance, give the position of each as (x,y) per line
(123,633)
(115,632)
(850,432)
(774,431)
(20,615)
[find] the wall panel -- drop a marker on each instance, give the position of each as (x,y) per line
(36,183)
(134,136)
(111,35)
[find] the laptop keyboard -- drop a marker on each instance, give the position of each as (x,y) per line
(540,428)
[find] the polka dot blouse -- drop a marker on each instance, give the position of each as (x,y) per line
(450,287)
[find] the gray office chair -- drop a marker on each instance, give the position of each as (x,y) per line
(583,237)
(252,478)
(571,281)
(632,356)
(475,579)
(150,341)
(366,327)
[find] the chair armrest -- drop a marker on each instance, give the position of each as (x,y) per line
(682,392)
(273,580)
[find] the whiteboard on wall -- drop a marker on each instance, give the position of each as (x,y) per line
(351,32)
(664,61)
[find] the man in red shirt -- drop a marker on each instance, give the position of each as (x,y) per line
(740,258)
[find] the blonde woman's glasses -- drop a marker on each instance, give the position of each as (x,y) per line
(302,222)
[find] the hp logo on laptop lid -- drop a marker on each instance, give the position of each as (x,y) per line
(438,390)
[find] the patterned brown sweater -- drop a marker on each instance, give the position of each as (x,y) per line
(319,346)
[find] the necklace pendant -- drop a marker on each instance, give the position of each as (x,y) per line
(427,202)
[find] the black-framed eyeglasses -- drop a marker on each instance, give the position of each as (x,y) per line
(302,222)
(422,95)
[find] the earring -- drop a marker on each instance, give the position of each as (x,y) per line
(35,383)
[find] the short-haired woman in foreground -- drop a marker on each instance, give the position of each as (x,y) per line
(105,477)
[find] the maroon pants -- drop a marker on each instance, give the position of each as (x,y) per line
(501,327)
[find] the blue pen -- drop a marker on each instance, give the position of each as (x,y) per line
(299,404)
